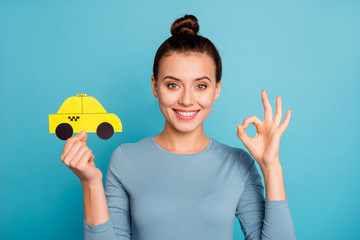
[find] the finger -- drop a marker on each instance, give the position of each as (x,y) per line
(72,152)
(278,114)
(268,114)
(84,137)
(79,154)
(242,134)
(92,158)
(85,159)
(285,124)
(254,120)
(70,142)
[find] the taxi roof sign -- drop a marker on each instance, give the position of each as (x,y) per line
(81,95)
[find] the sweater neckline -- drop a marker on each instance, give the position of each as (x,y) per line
(181,154)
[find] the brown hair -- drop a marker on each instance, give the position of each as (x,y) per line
(185,38)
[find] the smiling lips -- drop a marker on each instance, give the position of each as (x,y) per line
(185,114)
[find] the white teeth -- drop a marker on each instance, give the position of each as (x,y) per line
(186,114)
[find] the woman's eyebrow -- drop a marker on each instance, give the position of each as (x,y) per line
(196,79)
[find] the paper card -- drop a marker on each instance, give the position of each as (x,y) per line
(83,112)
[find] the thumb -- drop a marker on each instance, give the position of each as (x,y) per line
(83,136)
(242,134)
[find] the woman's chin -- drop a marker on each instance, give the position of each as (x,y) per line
(185,129)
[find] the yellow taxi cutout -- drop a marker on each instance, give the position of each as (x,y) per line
(83,113)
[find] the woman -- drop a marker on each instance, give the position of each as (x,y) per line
(181,184)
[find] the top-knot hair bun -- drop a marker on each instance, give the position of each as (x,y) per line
(185,25)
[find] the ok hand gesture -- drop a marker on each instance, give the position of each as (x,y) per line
(265,146)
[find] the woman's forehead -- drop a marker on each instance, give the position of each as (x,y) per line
(187,65)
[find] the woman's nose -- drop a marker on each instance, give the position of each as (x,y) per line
(186,98)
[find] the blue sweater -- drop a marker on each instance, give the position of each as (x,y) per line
(154,194)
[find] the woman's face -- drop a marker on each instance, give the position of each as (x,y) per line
(186,89)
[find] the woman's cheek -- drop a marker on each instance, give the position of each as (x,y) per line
(168,98)
(206,99)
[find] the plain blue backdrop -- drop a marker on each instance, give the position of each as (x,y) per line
(307,51)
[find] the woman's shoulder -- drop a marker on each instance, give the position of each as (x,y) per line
(226,147)
(238,153)
(134,145)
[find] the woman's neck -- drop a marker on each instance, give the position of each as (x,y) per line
(182,142)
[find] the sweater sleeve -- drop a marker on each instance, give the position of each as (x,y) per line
(118,227)
(260,218)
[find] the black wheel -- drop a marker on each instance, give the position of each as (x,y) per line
(64,131)
(105,130)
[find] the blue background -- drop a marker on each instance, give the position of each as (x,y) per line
(306,51)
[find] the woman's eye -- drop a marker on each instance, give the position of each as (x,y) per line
(202,86)
(171,85)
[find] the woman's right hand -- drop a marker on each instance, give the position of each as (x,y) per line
(80,159)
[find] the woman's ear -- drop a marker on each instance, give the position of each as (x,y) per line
(217,91)
(154,86)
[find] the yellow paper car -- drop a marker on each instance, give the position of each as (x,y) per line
(83,112)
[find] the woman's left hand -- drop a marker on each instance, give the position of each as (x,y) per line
(265,146)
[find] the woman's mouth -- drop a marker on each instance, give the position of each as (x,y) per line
(188,115)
